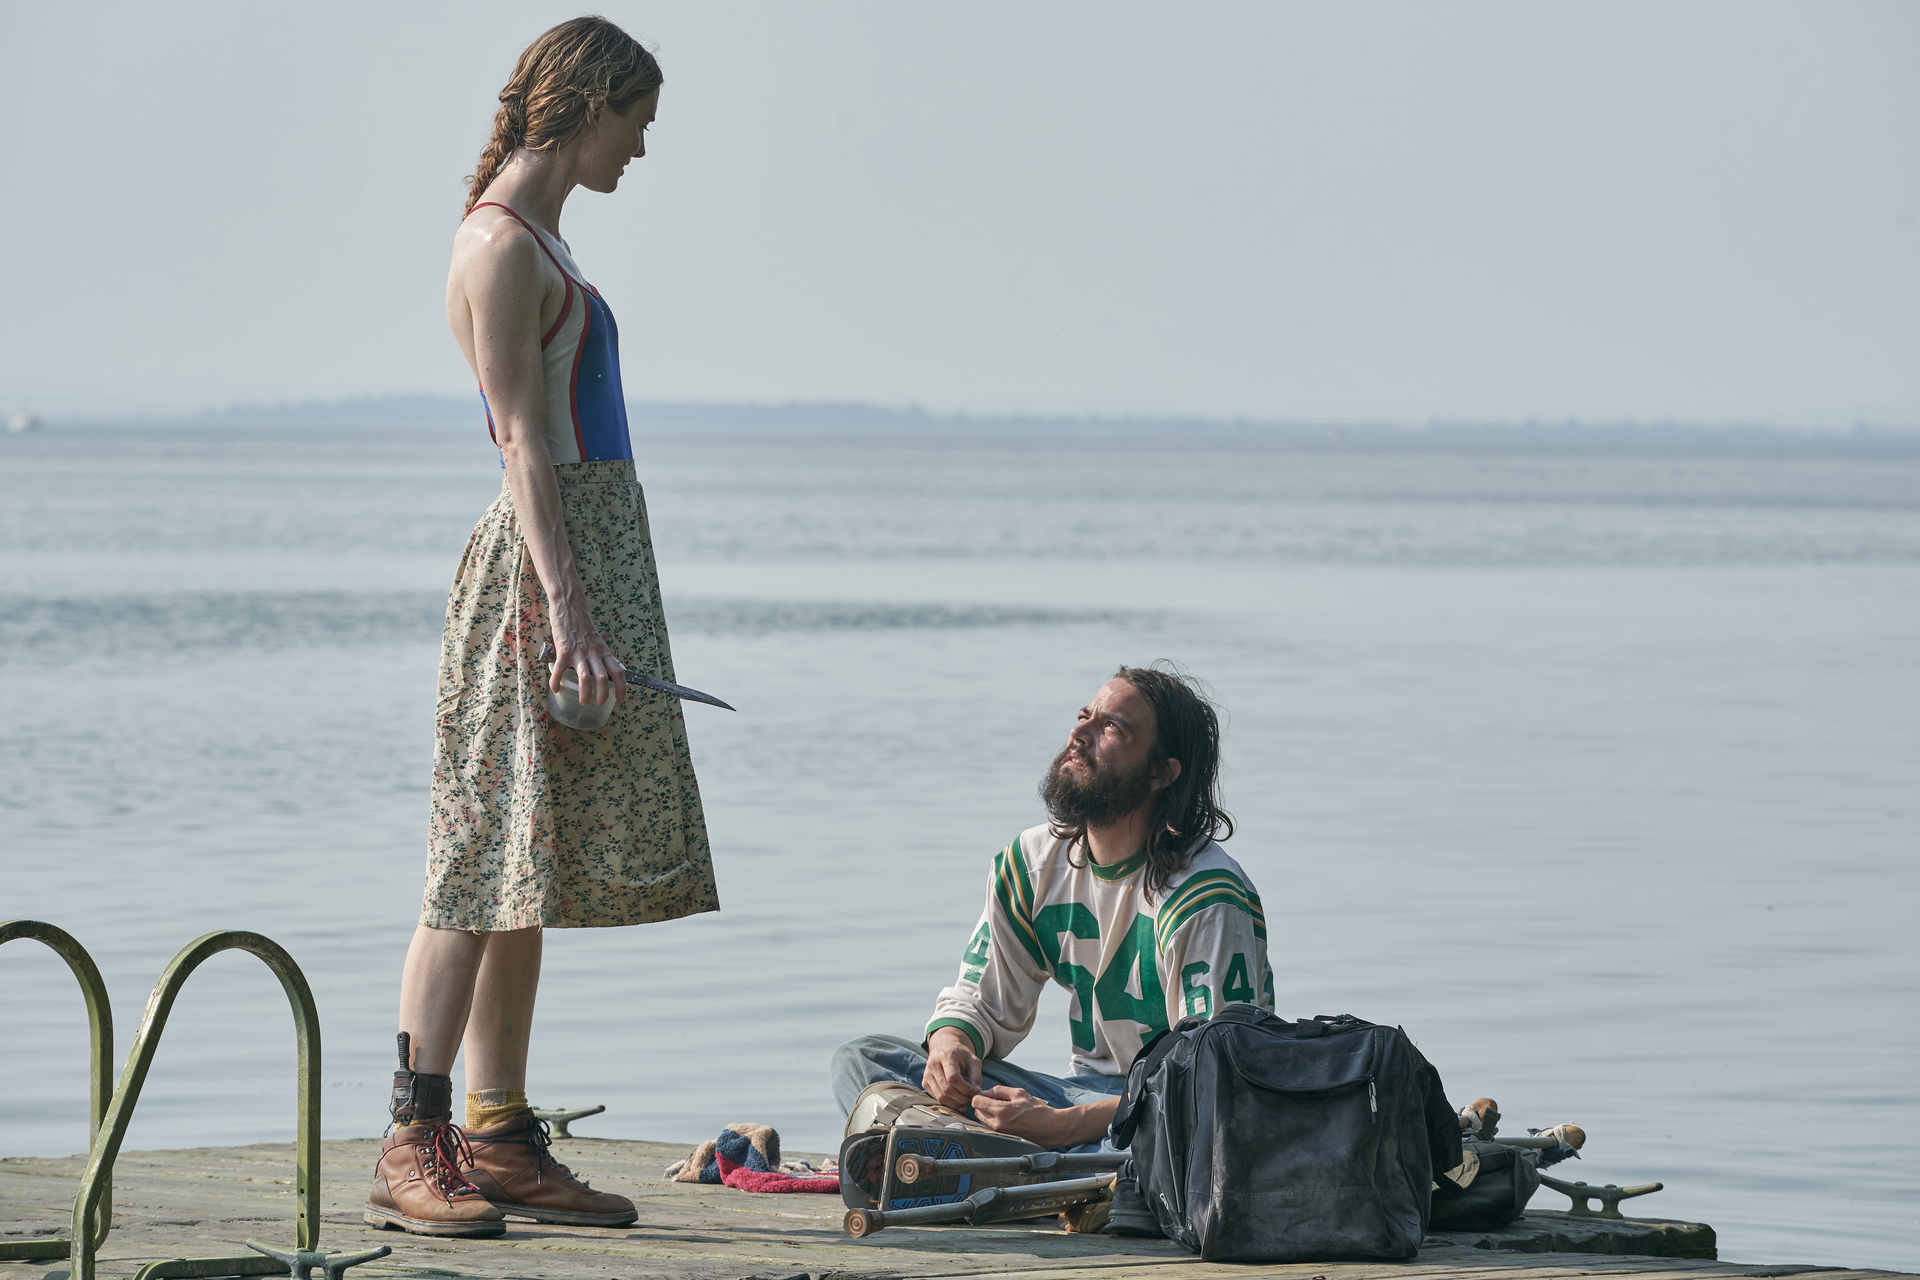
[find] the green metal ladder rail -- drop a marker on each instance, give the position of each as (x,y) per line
(94,1184)
(100,1074)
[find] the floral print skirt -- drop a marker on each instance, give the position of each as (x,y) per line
(535,823)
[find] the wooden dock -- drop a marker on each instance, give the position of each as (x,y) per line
(205,1202)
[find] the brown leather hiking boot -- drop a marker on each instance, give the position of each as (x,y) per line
(418,1186)
(511,1164)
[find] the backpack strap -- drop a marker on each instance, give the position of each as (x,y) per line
(1151,1055)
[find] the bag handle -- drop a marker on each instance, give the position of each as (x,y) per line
(1145,1063)
(1242,1012)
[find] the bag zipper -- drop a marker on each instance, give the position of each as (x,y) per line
(1330,1091)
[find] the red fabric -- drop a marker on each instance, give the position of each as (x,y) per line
(741,1178)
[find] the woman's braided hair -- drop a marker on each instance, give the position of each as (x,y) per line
(549,99)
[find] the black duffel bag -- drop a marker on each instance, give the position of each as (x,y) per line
(1260,1140)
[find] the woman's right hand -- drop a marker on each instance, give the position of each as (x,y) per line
(585,653)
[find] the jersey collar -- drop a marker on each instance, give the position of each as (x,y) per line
(1119,870)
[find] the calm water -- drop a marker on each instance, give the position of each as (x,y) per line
(1600,774)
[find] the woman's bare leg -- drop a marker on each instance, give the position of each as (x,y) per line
(509,1158)
(418,1185)
(479,986)
(436,993)
(502,1019)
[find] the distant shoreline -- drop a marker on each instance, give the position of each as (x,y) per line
(660,419)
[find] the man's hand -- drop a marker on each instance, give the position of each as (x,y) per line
(1015,1111)
(953,1069)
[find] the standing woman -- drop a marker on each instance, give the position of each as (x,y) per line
(536,825)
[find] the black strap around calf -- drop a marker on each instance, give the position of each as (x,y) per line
(419,1096)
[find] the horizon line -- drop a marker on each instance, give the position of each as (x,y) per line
(448,406)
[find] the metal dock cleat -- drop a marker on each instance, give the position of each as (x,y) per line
(301,1262)
(1609,1196)
(562,1118)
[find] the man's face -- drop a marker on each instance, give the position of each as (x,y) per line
(1103,772)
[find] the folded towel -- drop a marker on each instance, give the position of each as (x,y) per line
(689,1170)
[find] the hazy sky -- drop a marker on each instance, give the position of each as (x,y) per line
(1703,210)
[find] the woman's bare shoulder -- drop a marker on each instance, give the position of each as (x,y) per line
(492,243)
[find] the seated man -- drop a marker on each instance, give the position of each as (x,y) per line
(1125,898)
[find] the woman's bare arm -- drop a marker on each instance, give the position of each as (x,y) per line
(500,274)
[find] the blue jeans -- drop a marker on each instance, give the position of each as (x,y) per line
(871,1059)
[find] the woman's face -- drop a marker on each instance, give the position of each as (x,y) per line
(613,140)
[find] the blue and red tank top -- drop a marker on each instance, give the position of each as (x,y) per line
(580,353)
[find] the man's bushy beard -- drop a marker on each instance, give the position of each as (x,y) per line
(1101,798)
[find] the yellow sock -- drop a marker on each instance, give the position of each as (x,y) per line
(490,1106)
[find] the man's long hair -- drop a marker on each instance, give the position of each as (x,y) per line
(1187,813)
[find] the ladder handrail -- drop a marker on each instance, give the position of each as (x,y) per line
(97,1180)
(99,1074)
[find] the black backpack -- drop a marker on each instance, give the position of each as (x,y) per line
(1260,1140)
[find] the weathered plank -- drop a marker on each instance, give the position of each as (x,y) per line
(205,1202)
(1556,1231)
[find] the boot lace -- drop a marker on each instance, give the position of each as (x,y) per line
(442,1148)
(540,1134)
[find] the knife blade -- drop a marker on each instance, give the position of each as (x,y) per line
(677,690)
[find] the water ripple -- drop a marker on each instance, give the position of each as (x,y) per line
(41,631)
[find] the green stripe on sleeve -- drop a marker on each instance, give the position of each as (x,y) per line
(973,1033)
(1225,898)
(1208,889)
(1208,882)
(1015,892)
(1019,860)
